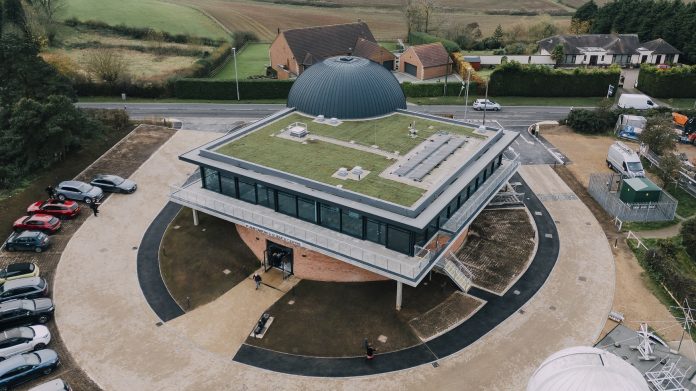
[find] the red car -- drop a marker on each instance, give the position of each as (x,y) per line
(64,210)
(38,222)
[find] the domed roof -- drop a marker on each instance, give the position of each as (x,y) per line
(586,369)
(346,87)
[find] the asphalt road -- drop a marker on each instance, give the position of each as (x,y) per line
(224,117)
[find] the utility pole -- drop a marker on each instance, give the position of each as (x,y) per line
(485,106)
(236,81)
(466,93)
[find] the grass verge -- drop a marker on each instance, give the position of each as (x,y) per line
(647,226)
(193,259)
(687,203)
(117,99)
(251,61)
(511,101)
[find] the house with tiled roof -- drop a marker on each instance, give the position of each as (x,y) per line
(607,49)
(426,61)
(295,50)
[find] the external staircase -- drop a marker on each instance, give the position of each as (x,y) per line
(457,271)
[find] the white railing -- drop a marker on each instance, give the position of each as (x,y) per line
(395,263)
(471,206)
(639,242)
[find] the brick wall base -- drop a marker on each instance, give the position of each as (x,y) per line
(308,264)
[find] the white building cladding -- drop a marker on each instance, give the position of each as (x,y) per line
(607,49)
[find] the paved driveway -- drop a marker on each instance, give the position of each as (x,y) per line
(115,337)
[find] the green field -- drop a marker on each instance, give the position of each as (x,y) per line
(172,18)
(681,103)
(251,60)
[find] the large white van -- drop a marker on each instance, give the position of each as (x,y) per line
(636,101)
(624,160)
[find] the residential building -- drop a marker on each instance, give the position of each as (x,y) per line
(426,61)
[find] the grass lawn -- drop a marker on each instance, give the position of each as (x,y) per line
(192,259)
(251,60)
(158,15)
(326,158)
(117,99)
(681,103)
(510,101)
(647,226)
(687,203)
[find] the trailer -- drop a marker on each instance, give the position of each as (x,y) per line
(630,126)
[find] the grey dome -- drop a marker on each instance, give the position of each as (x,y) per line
(347,88)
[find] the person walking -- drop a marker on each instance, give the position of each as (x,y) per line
(51,191)
(257,280)
(94,205)
(370,351)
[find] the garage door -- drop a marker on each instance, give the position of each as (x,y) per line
(411,69)
(389,65)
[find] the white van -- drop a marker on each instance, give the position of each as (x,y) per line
(624,160)
(636,101)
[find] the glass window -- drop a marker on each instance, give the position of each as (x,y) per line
(330,217)
(398,240)
(287,204)
(265,196)
(443,216)
(352,223)
(211,179)
(453,206)
(375,231)
(306,209)
(247,191)
(228,186)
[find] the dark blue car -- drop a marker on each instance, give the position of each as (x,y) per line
(24,367)
(27,241)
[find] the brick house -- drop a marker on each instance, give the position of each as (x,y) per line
(294,50)
(426,61)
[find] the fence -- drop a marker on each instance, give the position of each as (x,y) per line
(604,188)
(522,59)
(685,179)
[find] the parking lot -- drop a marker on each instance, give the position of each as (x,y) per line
(122,159)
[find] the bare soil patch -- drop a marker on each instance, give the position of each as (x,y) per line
(200,263)
(454,310)
(498,248)
(126,156)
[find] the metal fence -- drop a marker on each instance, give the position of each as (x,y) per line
(604,188)
(686,178)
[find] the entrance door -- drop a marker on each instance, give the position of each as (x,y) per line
(593,60)
(279,257)
(658,60)
(411,69)
(643,59)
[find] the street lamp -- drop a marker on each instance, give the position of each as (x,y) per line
(236,81)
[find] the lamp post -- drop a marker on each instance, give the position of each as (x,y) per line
(485,106)
(236,81)
(466,92)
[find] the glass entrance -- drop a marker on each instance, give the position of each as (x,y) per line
(279,257)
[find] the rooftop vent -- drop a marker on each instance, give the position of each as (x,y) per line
(320,118)
(342,171)
(333,121)
(357,170)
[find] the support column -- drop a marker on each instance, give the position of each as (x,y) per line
(399,290)
(195,217)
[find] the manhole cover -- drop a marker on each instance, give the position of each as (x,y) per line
(227,271)
(516,292)
(382,338)
(582,278)
(291,302)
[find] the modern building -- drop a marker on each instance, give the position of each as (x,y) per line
(426,61)
(346,184)
(607,49)
(295,50)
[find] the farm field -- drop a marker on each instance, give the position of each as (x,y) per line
(158,15)
(264,19)
(541,6)
(251,61)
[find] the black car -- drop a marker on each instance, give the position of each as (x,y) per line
(25,312)
(27,241)
(24,367)
(24,288)
(114,184)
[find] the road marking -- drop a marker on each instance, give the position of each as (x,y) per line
(525,139)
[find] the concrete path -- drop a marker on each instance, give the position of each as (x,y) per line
(115,337)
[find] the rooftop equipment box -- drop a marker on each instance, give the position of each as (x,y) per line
(639,190)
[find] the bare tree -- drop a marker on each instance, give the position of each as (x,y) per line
(107,65)
(50,8)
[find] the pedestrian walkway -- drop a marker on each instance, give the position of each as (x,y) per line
(119,341)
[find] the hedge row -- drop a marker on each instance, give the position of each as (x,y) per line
(226,89)
(147,90)
(419,90)
(417,38)
(513,79)
(677,82)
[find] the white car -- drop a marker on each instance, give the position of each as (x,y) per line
(23,339)
(483,104)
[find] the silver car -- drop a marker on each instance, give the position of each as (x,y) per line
(483,104)
(78,191)
(23,339)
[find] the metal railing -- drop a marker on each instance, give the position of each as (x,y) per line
(194,196)
(686,179)
(605,190)
(471,206)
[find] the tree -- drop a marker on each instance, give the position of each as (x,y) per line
(658,135)
(586,12)
(50,8)
(107,65)
(669,169)
(498,35)
(558,54)
(688,235)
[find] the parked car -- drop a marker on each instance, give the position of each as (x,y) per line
(483,104)
(61,209)
(26,312)
(53,385)
(27,241)
(38,222)
(78,191)
(18,270)
(624,160)
(23,339)
(24,367)
(24,288)
(114,184)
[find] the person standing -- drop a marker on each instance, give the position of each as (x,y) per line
(370,351)
(51,191)
(94,205)
(257,280)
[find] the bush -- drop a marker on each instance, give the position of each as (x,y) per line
(676,82)
(205,66)
(591,121)
(688,234)
(113,119)
(419,90)
(139,90)
(416,38)
(226,89)
(514,79)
